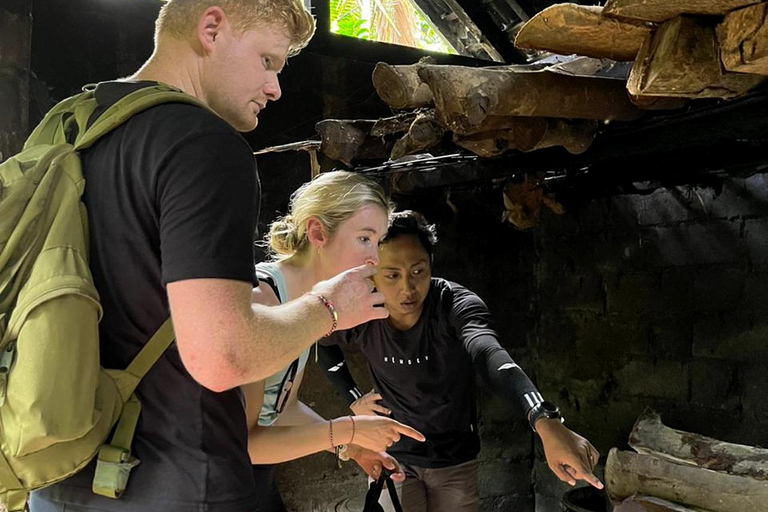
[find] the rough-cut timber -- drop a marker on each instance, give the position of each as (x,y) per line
(743,38)
(662,10)
(423,133)
(400,86)
(466,97)
(651,436)
(347,140)
(650,504)
(628,473)
(681,59)
(570,28)
(529,134)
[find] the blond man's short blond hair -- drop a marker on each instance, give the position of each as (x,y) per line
(178,18)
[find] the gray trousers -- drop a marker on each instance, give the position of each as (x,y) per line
(451,489)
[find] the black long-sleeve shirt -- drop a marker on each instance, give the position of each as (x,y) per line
(426,374)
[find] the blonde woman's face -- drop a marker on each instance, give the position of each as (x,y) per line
(356,241)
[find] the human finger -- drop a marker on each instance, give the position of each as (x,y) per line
(580,472)
(366,270)
(562,473)
(376,299)
(592,456)
(377,313)
(410,432)
(379,408)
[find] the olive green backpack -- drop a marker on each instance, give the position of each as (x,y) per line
(57,405)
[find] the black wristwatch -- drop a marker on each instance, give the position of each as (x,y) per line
(544,410)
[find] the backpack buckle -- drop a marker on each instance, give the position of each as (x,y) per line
(113,468)
(6,360)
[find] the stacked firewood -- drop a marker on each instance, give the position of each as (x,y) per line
(672,51)
(684,49)
(611,63)
(676,471)
(554,102)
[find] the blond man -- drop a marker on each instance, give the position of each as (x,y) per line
(172,198)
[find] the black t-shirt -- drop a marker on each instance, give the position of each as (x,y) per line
(426,374)
(172,194)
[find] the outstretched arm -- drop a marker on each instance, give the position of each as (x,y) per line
(371,462)
(569,456)
(303,432)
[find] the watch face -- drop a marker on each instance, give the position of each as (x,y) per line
(549,408)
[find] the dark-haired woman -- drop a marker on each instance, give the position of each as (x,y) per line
(423,360)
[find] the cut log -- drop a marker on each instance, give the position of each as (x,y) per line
(628,473)
(743,38)
(681,59)
(465,97)
(347,140)
(400,86)
(651,504)
(663,10)
(572,28)
(341,139)
(423,133)
(651,436)
(529,134)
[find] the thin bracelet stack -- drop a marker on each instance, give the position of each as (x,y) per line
(341,449)
(331,309)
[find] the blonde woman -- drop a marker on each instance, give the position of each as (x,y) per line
(335,223)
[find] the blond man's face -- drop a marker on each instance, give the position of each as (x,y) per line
(240,74)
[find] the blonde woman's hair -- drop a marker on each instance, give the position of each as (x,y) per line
(331,198)
(178,18)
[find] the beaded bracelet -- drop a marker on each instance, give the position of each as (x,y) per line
(330,434)
(331,309)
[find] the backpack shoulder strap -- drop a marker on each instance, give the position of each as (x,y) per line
(52,129)
(152,351)
(114,461)
(128,106)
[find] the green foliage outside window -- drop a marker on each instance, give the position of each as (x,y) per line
(388,21)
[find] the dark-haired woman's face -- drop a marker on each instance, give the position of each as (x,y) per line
(404,275)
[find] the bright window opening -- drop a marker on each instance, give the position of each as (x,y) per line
(389,21)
